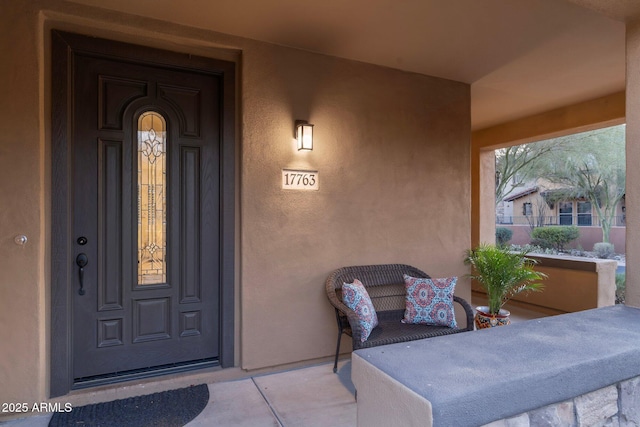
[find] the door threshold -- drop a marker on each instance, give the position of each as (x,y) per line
(139,374)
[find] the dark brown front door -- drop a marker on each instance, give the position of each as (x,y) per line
(145,214)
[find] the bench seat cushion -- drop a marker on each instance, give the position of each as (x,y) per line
(391,330)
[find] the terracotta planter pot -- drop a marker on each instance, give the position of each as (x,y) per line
(485,320)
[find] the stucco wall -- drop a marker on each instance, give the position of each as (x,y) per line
(392,153)
(22,279)
(632,296)
(391,150)
(572,284)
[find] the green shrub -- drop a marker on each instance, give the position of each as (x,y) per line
(556,236)
(544,245)
(621,282)
(603,250)
(503,235)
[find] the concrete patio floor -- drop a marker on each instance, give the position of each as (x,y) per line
(304,397)
(311,396)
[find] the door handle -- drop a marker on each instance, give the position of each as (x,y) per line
(82,262)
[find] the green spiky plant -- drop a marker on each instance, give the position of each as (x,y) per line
(503,273)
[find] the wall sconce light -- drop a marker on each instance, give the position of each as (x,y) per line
(304,135)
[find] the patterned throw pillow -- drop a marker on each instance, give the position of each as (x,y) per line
(430,301)
(356,297)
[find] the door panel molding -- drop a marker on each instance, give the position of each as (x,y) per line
(111,271)
(190,245)
(66,48)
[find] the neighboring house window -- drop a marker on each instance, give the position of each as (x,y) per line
(566,213)
(584,213)
(527,210)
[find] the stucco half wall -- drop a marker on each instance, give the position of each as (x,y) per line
(391,149)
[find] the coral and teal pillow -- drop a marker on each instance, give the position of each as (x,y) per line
(430,301)
(356,297)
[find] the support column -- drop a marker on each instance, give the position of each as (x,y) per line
(483,194)
(487,196)
(633,159)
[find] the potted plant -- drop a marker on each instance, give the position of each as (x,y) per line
(502,273)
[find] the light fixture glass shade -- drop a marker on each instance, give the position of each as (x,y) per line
(304,135)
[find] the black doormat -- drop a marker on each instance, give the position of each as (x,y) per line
(173,408)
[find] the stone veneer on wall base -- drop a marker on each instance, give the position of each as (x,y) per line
(615,405)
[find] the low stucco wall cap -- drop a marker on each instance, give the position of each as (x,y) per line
(478,377)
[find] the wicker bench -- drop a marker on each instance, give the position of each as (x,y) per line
(385,285)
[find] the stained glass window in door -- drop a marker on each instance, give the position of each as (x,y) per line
(152,199)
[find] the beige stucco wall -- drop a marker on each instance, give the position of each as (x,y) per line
(22,280)
(572,284)
(391,150)
(632,296)
(384,401)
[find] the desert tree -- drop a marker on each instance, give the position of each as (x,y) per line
(591,166)
(516,165)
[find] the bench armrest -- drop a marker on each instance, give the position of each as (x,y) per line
(468,312)
(346,317)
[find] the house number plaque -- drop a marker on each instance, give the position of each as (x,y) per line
(299,180)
